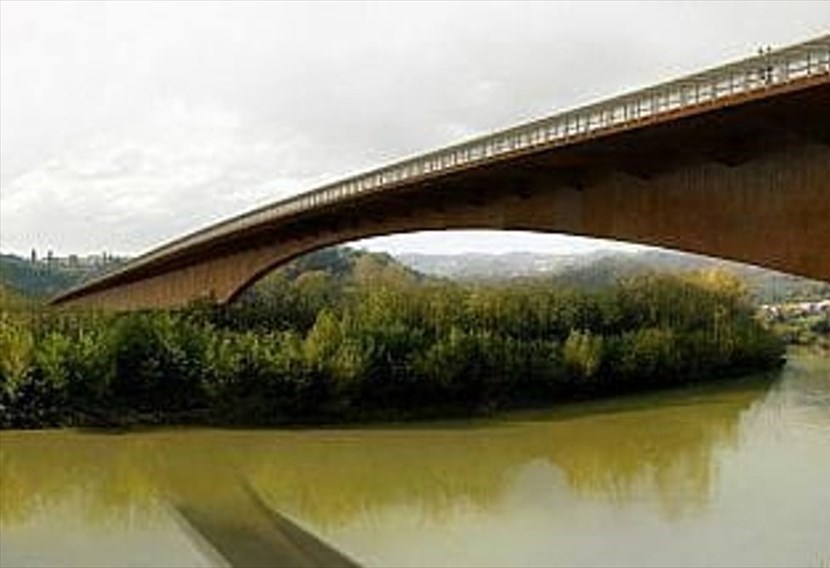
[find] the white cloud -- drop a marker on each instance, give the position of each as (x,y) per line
(125,124)
(178,168)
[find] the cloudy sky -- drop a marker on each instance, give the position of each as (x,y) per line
(123,125)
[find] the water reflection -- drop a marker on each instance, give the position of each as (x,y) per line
(672,478)
(660,445)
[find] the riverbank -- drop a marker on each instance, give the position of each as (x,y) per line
(801,324)
(390,348)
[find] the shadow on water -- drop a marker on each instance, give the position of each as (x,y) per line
(241,530)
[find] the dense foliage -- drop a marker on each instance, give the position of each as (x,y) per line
(373,341)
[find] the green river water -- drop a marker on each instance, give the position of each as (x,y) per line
(734,474)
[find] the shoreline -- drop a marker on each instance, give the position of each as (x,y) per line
(572,406)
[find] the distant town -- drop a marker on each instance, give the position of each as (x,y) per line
(88,263)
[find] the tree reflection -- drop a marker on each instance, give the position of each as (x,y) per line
(662,445)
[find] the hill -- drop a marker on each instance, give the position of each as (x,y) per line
(604,268)
(346,263)
(37,280)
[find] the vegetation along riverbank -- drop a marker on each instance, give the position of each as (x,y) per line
(360,337)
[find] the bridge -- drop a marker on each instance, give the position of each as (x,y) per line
(732,162)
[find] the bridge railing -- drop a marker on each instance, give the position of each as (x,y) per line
(764,71)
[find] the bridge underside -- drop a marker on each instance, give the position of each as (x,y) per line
(749,182)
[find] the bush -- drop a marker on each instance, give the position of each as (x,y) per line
(159,361)
(314,348)
(582,354)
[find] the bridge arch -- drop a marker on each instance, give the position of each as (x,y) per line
(772,211)
(710,209)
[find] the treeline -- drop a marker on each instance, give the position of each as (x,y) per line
(373,342)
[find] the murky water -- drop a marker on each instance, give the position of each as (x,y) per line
(734,474)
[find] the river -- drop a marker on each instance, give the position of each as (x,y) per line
(733,474)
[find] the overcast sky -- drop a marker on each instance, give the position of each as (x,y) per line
(123,125)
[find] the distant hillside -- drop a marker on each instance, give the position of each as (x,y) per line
(766,285)
(334,269)
(43,279)
(482,266)
(35,279)
(345,263)
(604,268)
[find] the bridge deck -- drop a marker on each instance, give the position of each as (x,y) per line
(767,75)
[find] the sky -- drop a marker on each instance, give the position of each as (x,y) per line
(124,125)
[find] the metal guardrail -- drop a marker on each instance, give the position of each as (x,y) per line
(754,74)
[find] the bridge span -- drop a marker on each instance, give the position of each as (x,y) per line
(732,162)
